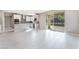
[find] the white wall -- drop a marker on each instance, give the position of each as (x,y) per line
(42,21)
(72,21)
(2,22)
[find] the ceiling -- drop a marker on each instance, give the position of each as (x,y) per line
(26,12)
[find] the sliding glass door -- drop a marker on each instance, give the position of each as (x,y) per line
(56,21)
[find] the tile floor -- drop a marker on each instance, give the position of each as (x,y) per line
(38,39)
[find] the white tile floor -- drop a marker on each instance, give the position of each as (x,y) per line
(38,39)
